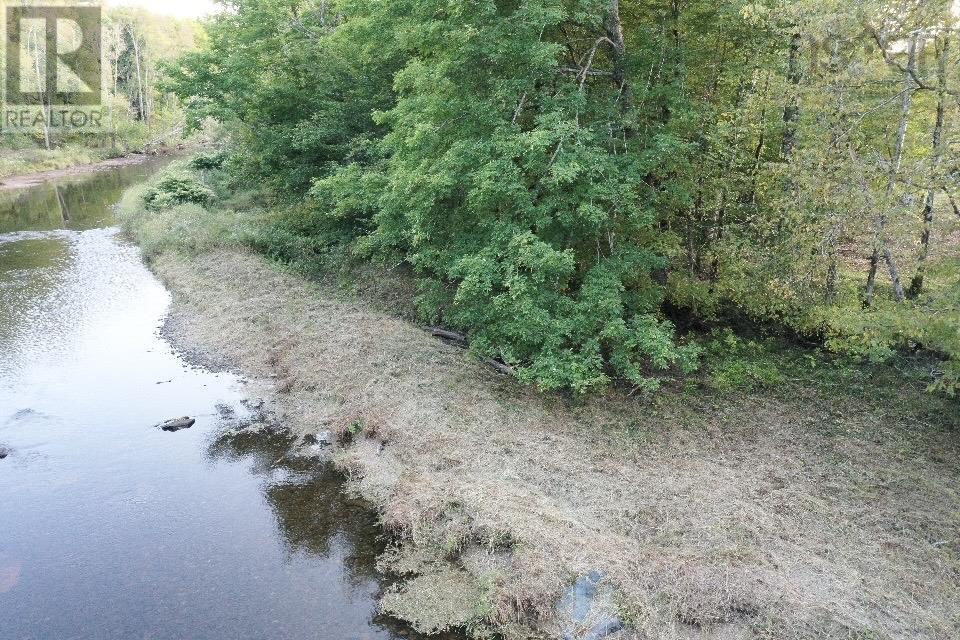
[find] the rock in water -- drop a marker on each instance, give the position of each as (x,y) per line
(175,424)
(4,452)
(323,439)
(589,610)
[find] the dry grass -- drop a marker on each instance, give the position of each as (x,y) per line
(810,516)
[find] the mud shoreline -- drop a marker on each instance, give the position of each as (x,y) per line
(33,179)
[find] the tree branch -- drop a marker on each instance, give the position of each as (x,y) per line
(585,68)
(908,70)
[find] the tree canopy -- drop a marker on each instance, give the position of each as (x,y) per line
(570,179)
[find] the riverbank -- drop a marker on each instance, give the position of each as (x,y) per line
(72,166)
(779,493)
(805,512)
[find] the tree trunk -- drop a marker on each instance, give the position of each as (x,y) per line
(880,247)
(791,112)
(141,106)
(916,285)
(116,39)
(33,44)
(614,29)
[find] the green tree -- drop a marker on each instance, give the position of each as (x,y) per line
(559,173)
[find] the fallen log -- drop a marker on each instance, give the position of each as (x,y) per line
(452,336)
(505,369)
(461,340)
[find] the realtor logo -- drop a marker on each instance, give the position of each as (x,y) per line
(53,67)
(53,55)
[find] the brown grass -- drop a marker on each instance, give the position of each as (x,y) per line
(810,514)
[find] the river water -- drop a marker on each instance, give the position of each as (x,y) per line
(113,529)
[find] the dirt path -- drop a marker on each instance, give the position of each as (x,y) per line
(805,515)
(31,180)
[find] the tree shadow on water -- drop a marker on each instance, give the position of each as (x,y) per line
(314,512)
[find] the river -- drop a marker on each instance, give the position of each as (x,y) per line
(111,528)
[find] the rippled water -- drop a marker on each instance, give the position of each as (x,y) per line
(113,529)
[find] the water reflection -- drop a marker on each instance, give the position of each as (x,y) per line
(313,512)
(79,203)
(39,228)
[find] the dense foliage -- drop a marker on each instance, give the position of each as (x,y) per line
(566,176)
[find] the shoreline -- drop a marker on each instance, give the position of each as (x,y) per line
(702,515)
(26,181)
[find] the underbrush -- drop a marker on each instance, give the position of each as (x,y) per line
(887,333)
(736,363)
(849,337)
(177,210)
(197,205)
(176,188)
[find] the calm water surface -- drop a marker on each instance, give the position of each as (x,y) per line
(112,529)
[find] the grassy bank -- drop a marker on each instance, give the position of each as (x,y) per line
(31,161)
(19,162)
(776,494)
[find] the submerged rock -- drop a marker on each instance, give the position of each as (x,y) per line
(313,446)
(175,424)
(226,412)
(253,405)
(23,414)
(322,439)
(588,610)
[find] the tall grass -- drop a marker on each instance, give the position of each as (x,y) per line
(160,218)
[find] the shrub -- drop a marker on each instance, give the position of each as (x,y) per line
(174,188)
(208,161)
(175,210)
(735,363)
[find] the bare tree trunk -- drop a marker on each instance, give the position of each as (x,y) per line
(148,96)
(880,248)
(953,202)
(614,28)
(33,44)
(895,279)
(916,285)
(140,90)
(117,41)
(792,111)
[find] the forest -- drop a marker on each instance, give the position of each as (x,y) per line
(136,113)
(577,184)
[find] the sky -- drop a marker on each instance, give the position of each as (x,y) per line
(198,8)
(179,8)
